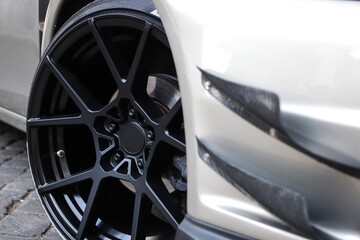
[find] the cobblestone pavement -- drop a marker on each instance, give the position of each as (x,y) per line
(21,214)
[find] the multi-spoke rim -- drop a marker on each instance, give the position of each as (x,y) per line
(125,136)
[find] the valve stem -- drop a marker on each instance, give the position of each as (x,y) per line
(60,153)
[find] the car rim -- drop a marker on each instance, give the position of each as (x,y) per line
(105,126)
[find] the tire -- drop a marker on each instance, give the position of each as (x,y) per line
(105,126)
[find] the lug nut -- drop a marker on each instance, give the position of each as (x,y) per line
(150,134)
(60,153)
(131,112)
(117,157)
(140,163)
(112,127)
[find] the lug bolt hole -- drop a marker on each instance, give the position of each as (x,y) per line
(150,134)
(116,159)
(131,112)
(141,120)
(112,127)
(140,163)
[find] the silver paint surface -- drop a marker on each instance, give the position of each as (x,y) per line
(308,61)
(19,52)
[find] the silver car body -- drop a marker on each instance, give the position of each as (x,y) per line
(309,58)
(19,57)
(307,52)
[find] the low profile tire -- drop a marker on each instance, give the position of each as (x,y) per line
(105,126)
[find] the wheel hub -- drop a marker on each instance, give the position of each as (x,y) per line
(132,138)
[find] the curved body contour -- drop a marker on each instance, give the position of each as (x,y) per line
(309,62)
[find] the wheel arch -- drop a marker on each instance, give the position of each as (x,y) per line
(57,13)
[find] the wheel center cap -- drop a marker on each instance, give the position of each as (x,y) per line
(133,138)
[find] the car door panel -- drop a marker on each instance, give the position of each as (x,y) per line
(19,52)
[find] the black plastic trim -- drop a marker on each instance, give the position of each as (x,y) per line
(261,109)
(193,229)
(287,204)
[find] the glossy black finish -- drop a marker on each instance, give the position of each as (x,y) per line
(89,99)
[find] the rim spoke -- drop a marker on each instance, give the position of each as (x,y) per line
(111,105)
(89,217)
(55,121)
(48,187)
(151,156)
(116,64)
(123,176)
(172,114)
(78,93)
(142,210)
(150,111)
(174,142)
(107,138)
(165,203)
(138,72)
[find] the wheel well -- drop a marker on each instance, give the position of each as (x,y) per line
(68,8)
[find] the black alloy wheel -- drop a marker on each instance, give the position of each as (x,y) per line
(105,127)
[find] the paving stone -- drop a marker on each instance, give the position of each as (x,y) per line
(18,161)
(12,150)
(52,234)
(33,196)
(18,144)
(22,182)
(31,207)
(7,199)
(7,237)
(10,136)
(15,191)
(9,174)
(24,225)
(21,214)
(4,128)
